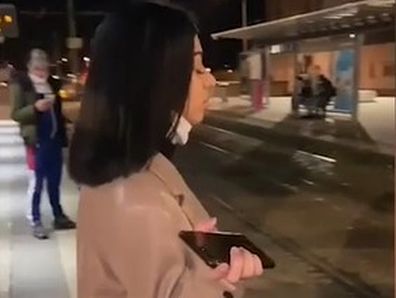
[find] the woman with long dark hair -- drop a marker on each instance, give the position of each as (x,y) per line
(147,86)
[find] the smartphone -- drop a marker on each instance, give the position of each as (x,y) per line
(50,97)
(40,96)
(214,248)
(47,96)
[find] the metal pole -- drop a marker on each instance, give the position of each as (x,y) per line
(267,76)
(244,21)
(2,47)
(73,53)
(295,105)
(358,43)
(71,18)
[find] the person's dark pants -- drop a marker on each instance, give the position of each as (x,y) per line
(48,167)
(296,101)
(322,105)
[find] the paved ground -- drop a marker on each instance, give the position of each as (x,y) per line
(259,203)
(30,268)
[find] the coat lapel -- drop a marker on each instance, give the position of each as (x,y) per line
(165,171)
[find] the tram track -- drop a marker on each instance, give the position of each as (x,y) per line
(356,287)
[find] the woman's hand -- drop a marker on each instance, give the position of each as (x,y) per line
(243,265)
(208,226)
(43,105)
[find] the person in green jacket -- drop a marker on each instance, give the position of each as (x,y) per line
(37,108)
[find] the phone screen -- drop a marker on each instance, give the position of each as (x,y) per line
(214,248)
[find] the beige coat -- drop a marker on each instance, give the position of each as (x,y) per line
(128,243)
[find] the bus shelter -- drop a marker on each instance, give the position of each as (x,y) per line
(340,30)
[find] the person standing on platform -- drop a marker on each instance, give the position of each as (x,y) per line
(322,91)
(147,86)
(37,108)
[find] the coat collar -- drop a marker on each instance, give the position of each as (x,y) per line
(165,171)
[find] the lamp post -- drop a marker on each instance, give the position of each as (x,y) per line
(71,18)
(244,21)
(2,47)
(73,42)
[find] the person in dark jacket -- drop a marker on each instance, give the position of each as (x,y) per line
(301,94)
(322,89)
(37,108)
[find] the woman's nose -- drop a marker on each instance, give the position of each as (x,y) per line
(210,80)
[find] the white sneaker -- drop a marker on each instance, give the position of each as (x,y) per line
(29,217)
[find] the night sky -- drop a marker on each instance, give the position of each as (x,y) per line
(49,32)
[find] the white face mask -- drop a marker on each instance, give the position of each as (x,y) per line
(38,79)
(182,132)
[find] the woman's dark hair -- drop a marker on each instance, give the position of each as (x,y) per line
(137,87)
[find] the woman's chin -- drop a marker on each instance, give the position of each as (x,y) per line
(197,121)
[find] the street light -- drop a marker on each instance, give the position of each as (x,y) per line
(8,19)
(244,21)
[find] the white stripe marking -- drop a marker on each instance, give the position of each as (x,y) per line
(215,148)
(5,246)
(321,157)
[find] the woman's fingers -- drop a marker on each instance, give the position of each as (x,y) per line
(249,266)
(258,266)
(228,286)
(207,226)
(236,265)
(221,271)
(243,265)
